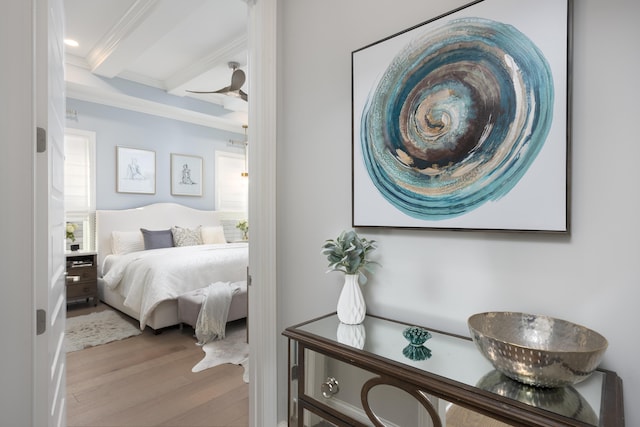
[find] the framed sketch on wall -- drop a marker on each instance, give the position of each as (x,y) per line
(135,170)
(186,175)
(461,122)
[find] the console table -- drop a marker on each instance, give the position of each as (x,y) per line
(359,375)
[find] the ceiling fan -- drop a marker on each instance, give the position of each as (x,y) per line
(237,80)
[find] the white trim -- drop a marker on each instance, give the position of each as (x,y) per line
(175,83)
(142,79)
(81,63)
(128,38)
(110,41)
(263,332)
(118,100)
(228,182)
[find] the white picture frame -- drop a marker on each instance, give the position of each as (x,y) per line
(135,170)
(186,175)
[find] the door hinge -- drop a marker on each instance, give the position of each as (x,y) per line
(41,140)
(248,277)
(41,321)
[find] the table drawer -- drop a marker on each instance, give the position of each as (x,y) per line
(80,274)
(338,385)
(81,290)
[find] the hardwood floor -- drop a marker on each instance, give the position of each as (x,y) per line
(147,381)
(457,416)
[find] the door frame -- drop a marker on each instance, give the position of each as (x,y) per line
(263,333)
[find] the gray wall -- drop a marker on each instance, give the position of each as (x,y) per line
(118,127)
(440,278)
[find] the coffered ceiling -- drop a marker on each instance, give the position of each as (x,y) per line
(172,45)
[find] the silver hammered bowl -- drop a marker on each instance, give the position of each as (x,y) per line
(537,350)
(565,401)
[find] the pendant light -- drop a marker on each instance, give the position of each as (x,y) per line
(245,173)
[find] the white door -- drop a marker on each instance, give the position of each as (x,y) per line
(24,89)
(50,299)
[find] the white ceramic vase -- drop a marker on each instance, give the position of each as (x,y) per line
(351,305)
(351,335)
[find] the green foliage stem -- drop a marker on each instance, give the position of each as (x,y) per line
(349,253)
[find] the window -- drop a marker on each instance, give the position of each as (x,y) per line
(80,186)
(232,188)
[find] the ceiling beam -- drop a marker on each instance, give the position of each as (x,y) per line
(178,82)
(143,24)
(84,92)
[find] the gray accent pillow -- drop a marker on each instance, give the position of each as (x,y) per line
(157,239)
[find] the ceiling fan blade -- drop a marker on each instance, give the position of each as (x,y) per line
(223,90)
(237,79)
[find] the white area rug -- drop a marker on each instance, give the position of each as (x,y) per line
(96,329)
(232,349)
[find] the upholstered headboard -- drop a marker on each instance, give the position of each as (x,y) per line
(156,216)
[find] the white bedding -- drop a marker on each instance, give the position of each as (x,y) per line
(146,278)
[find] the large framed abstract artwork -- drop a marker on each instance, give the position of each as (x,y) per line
(462,122)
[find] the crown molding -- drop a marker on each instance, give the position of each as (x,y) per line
(136,14)
(176,82)
(118,100)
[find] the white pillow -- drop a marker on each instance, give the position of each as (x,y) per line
(186,236)
(212,235)
(123,242)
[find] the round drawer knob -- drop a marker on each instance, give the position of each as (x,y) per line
(329,387)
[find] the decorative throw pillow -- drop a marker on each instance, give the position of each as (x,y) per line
(157,239)
(186,236)
(212,235)
(123,242)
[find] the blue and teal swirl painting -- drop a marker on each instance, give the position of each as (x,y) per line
(457,118)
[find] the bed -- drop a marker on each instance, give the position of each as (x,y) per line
(145,283)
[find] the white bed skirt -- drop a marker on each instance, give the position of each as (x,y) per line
(166,313)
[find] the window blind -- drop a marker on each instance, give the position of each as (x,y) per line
(79,184)
(232,189)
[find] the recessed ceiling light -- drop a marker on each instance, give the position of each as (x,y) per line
(70,42)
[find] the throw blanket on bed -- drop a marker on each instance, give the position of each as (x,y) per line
(146,278)
(212,319)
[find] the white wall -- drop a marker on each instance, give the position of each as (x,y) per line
(439,278)
(17,159)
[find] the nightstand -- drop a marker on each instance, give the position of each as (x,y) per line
(82,276)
